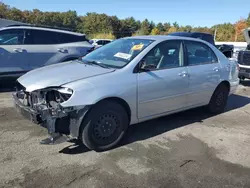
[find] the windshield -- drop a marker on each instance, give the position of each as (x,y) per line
(119,53)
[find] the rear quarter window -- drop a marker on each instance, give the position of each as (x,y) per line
(70,38)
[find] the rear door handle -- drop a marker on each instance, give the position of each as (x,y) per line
(183,74)
(18,50)
(62,50)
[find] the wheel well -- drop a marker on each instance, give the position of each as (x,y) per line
(226,83)
(120,101)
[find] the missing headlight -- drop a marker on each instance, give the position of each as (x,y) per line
(55,96)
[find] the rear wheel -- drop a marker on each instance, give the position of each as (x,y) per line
(104,126)
(219,99)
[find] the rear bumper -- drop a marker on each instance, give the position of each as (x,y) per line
(244,71)
(233,86)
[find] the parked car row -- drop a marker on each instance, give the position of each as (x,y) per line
(99,42)
(26,47)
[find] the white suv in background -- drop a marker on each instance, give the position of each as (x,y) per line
(23,48)
(99,42)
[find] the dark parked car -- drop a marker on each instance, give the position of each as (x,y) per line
(227,50)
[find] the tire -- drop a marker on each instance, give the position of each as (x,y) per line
(104,126)
(219,99)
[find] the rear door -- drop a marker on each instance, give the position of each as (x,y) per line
(204,70)
(42,48)
(12,53)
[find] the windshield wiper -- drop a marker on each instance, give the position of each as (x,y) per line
(99,64)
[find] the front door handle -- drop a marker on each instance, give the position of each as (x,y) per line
(62,50)
(18,50)
(216,69)
(183,74)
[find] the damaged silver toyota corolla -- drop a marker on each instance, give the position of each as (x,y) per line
(127,81)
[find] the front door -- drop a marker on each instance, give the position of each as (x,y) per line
(163,88)
(12,53)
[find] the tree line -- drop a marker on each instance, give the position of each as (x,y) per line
(105,26)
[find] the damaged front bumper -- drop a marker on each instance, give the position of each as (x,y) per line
(26,111)
(61,120)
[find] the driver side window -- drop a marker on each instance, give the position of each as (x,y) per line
(168,54)
(11,37)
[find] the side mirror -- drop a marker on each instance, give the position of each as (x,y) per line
(146,67)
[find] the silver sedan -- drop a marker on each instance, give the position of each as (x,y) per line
(128,81)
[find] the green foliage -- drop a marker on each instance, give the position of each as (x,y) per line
(160,27)
(167,26)
(155,31)
(145,28)
(129,26)
(102,36)
(104,26)
(172,29)
(248,20)
(224,32)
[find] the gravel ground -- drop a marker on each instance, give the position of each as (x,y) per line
(188,149)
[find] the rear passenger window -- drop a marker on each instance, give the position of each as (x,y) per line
(199,53)
(37,37)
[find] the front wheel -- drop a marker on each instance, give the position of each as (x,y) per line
(104,126)
(219,99)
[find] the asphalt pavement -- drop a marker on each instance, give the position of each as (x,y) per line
(188,149)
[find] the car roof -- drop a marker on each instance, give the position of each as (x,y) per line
(166,37)
(44,29)
(189,33)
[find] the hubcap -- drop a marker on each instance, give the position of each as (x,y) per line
(106,128)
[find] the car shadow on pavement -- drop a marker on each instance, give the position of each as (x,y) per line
(9,86)
(152,128)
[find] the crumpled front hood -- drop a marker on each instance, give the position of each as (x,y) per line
(59,74)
